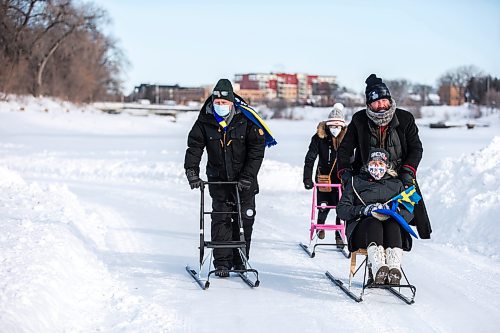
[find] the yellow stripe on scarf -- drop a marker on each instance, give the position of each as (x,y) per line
(258,118)
(223,124)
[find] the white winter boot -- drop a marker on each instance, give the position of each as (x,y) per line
(394,256)
(376,260)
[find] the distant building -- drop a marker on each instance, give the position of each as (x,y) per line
(162,94)
(296,88)
(450,95)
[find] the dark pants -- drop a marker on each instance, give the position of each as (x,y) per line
(329,199)
(386,233)
(225,226)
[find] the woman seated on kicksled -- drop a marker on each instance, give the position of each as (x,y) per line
(379,234)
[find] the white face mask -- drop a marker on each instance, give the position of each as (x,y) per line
(222,110)
(335,130)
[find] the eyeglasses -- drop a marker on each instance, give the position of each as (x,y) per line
(220,93)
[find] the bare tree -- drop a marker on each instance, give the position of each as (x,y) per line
(279,106)
(61,20)
(493,98)
(57,47)
(399,90)
(459,77)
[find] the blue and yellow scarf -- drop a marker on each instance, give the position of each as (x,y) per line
(253,116)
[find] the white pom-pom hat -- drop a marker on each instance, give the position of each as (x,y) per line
(336,116)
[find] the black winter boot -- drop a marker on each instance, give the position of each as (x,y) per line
(339,241)
(222,272)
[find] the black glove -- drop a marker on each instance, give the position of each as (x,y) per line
(345,176)
(193,179)
(244,184)
(308,184)
(407,176)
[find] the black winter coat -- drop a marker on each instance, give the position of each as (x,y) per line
(324,145)
(350,207)
(402,142)
(232,155)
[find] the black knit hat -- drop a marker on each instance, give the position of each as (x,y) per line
(378,154)
(376,89)
(223,90)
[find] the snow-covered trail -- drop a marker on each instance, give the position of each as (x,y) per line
(151,248)
(143,228)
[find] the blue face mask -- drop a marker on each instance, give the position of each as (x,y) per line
(222,110)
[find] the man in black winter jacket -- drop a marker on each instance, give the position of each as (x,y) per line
(235,148)
(383,125)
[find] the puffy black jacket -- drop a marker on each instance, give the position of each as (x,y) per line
(232,155)
(324,145)
(350,206)
(402,142)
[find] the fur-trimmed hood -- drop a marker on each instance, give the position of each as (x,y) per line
(323,133)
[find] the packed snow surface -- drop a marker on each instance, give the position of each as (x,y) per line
(98,224)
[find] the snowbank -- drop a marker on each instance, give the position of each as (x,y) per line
(463,199)
(47,115)
(51,278)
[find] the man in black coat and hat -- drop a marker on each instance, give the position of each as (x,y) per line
(383,125)
(235,148)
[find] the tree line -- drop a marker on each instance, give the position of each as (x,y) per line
(473,84)
(58,48)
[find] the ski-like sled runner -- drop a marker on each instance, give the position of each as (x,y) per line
(204,283)
(315,226)
(397,290)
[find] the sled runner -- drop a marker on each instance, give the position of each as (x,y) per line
(204,283)
(394,289)
(326,227)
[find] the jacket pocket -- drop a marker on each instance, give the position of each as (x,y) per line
(214,147)
(237,144)
(212,172)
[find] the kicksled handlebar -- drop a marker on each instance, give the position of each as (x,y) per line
(218,183)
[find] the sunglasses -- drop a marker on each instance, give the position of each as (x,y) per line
(218,93)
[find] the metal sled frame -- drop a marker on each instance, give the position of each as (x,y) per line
(315,226)
(394,289)
(241,244)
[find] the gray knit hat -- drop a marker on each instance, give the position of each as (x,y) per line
(336,116)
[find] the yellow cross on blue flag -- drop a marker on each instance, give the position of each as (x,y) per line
(408,198)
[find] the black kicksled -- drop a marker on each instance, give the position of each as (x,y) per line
(400,290)
(246,273)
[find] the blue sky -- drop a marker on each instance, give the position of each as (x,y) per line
(196,42)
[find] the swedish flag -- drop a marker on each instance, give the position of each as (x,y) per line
(408,198)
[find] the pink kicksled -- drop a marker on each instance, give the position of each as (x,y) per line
(315,226)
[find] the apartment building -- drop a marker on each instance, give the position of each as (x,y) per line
(450,95)
(160,94)
(296,88)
